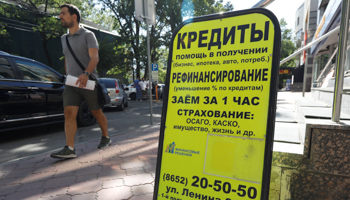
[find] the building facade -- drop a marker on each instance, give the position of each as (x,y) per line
(325,56)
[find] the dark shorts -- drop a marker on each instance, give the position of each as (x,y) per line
(73,96)
(144,93)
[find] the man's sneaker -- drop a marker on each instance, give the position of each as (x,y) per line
(104,142)
(64,153)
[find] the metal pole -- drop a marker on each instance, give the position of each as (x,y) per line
(304,78)
(310,45)
(339,73)
(149,74)
(327,65)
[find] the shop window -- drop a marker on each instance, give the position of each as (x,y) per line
(320,72)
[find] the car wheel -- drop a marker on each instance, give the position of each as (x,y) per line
(133,96)
(85,117)
(121,107)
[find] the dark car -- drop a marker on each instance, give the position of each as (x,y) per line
(160,89)
(31,94)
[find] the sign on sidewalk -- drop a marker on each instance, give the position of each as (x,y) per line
(218,118)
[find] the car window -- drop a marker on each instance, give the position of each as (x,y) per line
(120,85)
(5,69)
(109,83)
(35,72)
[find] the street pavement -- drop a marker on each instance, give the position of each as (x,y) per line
(124,170)
(27,142)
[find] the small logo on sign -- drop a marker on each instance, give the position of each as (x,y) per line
(181,152)
(170,148)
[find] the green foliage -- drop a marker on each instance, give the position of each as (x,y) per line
(128,28)
(162,64)
(205,7)
(48,27)
(43,14)
(104,17)
(107,58)
(169,14)
(287,44)
(3,31)
(114,59)
(3,10)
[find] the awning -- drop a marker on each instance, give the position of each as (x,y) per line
(329,21)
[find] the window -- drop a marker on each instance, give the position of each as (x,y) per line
(5,69)
(109,83)
(319,65)
(298,21)
(35,72)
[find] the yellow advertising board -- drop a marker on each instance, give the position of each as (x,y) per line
(219,111)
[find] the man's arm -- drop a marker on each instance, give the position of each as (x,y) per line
(93,53)
(82,80)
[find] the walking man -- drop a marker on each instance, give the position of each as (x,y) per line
(137,85)
(85,47)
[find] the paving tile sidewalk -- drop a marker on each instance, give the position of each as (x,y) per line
(124,170)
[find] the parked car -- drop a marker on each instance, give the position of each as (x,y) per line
(130,91)
(117,93)
(31,94)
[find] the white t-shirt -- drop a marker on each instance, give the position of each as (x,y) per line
(143,85)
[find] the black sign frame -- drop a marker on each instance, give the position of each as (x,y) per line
(272,98)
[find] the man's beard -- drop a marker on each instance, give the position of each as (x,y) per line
(67,25)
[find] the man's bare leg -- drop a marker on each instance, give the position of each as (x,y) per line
(70,124)
(102,121)
(70,128)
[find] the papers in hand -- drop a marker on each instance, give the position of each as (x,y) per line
(71,80)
